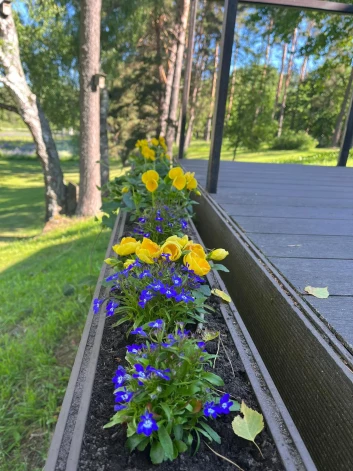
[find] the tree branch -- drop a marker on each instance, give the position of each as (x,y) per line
(6,107)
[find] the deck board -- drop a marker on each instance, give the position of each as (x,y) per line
(301,218)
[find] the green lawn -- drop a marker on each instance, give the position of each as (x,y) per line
(201,149)
(40,326)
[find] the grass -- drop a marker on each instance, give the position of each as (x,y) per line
(328,157)
(40,327)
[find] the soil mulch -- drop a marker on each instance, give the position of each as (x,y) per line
(104,450)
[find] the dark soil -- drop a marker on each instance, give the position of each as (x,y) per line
(104,450)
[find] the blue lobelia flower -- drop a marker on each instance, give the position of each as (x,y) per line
(144,274)
(183,223)
(170,224)
(146,234)
(210,410)
(110,308)
(119,377)
(201,344)
(158,324)
(156,285)
(112,277)
(97,304)
(118,407)
(140,373)
(166,256)
(168,292)
(142,220)
(160,373)
(159,229)
(147,425)
(177,281)
(123,396)
(224,404)
(159,218)
(134,349)
(139,331)
(184,297)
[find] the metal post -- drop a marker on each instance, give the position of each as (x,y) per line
(187,77)
(230,13)
(347,140)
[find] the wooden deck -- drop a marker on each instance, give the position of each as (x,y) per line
(301,218)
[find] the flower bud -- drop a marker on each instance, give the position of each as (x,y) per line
(218,254)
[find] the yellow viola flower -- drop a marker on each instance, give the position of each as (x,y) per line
(148,251)
(129,262)
(181,241)
(199,265)
(149,175)
(196,249)
(173,248)
(175,172)
(218,254)
(141,143)
(162,143)
(151,185)
(192,184)
(179,182)
(148,154)
(189,176)
(154,142)
(127,246)
(125,189)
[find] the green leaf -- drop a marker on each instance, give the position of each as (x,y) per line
(250,425)
(89,280)
(166,410)
(157,453)
(321,293)
(68,290)
(213,379)
(235,406)
(181,446)
(214,435)
(143,444)
(178,431)
(133,441)
(220,267)
(205,290)
(166,442)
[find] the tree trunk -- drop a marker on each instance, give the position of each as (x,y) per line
(213,94)
(301,80)
(280,80)
(287,82)
(264,70)
(232,86)
(336,138)
(168,89)
(173,110)
(33,115)
(89,200)
(195,93)
(158,24)
(104,147)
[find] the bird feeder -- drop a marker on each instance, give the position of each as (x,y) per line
(5,8)
(99,80)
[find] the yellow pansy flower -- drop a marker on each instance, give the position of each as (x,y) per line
(148,153)
(154,141)
(181,241)
(162,143)
(199,265)
(173,248)
(151,185)
(149,175)
(148,251)
(129,262)
(175,172)
(196,248)
(127,246)
(179,182)
(218,254)
(141,143)
(191,184)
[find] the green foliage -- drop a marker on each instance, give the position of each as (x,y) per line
(291,140)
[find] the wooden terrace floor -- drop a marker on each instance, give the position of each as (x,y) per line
(301,218)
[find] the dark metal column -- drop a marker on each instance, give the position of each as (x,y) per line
(347,140)
(230,13)
(187,76)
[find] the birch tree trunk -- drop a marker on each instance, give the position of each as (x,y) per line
(104,148)
(174,100)
(232,86)
(168,88)
(213,94)
(89,200)
(287,82)
(32,114)
(336,138)
(280,80)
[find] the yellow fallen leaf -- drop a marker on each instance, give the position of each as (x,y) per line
(222,294)
(321,293)
(208,335)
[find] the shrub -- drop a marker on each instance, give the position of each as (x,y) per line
(291,140)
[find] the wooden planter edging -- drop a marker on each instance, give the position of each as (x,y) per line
(65,448)
(311,370)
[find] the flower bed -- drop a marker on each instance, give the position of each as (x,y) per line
(178,382)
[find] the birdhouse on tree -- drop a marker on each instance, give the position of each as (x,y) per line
(5,8)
